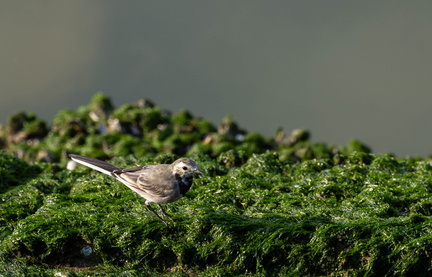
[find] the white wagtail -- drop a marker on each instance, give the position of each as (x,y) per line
(161,183)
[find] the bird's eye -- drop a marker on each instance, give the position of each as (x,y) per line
(185,168)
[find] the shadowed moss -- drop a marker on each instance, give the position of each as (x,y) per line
(14,171)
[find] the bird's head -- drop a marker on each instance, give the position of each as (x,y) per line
(185,167)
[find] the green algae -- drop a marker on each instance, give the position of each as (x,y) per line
(309,219)
(264,206)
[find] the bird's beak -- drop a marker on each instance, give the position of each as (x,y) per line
(197,171)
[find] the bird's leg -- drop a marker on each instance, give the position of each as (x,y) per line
(151,209)
(166,214)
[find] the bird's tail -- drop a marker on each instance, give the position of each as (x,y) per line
(96,164)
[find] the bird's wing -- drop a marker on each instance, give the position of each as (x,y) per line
(131,175)
(156,180)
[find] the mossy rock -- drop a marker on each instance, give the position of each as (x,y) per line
(264,206)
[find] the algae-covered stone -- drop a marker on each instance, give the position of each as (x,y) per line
(22,127)
(90,130)
(264,206)
(232,158)
(100,107)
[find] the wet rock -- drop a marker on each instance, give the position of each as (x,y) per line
(230,127)
(298,135)
(144,103)
(22,126)
(100,107)
(45,156)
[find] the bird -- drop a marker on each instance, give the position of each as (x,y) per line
(160,183)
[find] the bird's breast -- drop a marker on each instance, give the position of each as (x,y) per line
(184,183)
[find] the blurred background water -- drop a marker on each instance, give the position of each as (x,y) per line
(342,69)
